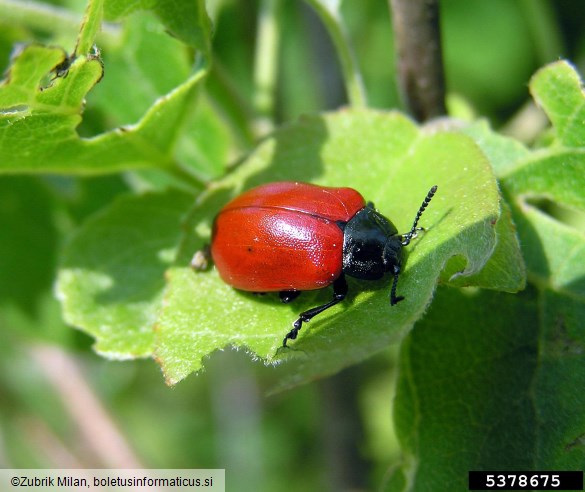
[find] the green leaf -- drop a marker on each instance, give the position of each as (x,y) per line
(29,242)
(187,21)
(29,89)
(42,100)
(505,271)
(390,160)
(146,65)
(502,152)
(158,63)
(558,89)
(37,127)
(487,382)
(393,163)
(112,275)
(561,371)
(554,251)
(557,174)
(499,391)
(205,145)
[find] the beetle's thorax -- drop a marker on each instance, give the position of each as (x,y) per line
(371,245)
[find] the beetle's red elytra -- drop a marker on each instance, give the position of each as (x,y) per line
(288,237)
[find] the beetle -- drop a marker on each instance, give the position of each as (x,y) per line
(290,237)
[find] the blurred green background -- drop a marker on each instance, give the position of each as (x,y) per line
(62,406)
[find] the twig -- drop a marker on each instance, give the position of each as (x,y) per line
(420,62)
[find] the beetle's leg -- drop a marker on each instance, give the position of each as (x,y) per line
(287,296)
(393,298)
(339,293)
(406,238)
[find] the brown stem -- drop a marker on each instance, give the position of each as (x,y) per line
(420,62)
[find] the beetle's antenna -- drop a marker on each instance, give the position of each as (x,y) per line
(412,234)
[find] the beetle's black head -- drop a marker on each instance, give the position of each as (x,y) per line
(371,245)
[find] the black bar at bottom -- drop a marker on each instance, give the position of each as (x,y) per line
(525,480)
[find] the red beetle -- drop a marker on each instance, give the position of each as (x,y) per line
(288,237)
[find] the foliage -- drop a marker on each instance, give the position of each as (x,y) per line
(495,287)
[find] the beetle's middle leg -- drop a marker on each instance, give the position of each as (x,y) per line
(339,293)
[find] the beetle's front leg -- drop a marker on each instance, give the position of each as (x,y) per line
(393,298)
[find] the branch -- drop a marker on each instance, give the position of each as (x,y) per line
(420,62)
